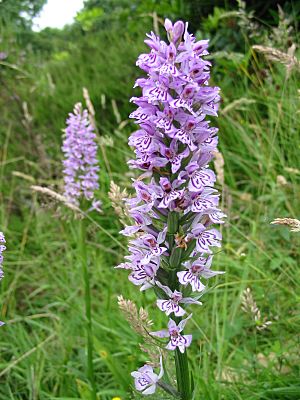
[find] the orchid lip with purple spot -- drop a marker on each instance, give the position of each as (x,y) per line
(146,380)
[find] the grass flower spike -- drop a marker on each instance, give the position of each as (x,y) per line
(175,204)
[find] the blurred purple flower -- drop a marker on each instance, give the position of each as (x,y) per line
(80,163)
(3,55)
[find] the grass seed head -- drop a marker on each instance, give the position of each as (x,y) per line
(292,223)
(250,307)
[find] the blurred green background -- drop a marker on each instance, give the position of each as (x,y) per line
(42,74)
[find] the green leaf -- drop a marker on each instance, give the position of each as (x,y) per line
(84,390)
(87,18)
(113,364)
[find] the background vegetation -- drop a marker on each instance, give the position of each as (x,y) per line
(42,76)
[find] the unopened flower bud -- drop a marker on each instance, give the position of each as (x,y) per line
(178,31)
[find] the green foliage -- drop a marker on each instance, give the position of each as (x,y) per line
(87,18)
(20,11)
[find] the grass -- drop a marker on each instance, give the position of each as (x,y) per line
(43,341)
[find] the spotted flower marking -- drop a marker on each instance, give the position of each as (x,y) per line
(172,305)
(146,380)
(174,333)
(196,270)
(206,238)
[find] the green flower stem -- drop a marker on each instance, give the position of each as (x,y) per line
(88,309)
(182,374)
(169,389)
(181,360)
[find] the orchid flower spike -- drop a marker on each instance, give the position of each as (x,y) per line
(175,207)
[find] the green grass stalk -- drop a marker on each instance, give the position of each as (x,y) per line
(88,308)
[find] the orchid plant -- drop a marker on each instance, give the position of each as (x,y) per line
(81,181)
(175,204)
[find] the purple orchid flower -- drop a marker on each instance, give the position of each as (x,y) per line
(150,246)
(141,220)
(195,270)
(174,31)
(143,275)
(217,217)
(145,380)
(172,156)
(169,192)
(175,298)
(206,238)
(173,332)
(199,178)
(205,201)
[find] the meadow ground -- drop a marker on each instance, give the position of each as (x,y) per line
(42,345)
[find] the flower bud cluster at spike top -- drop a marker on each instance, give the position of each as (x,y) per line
(2,248)
(80,164)
(175,204)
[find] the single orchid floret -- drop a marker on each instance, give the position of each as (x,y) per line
(205,202)
(175,298)
(217,217)
(171,155)
(206,238)
(96,206)
(175,31)
(145,380)
(150,245)
(199,178)
(169,193)
(196,270)
(141,220)
(143,275)
(174,333)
